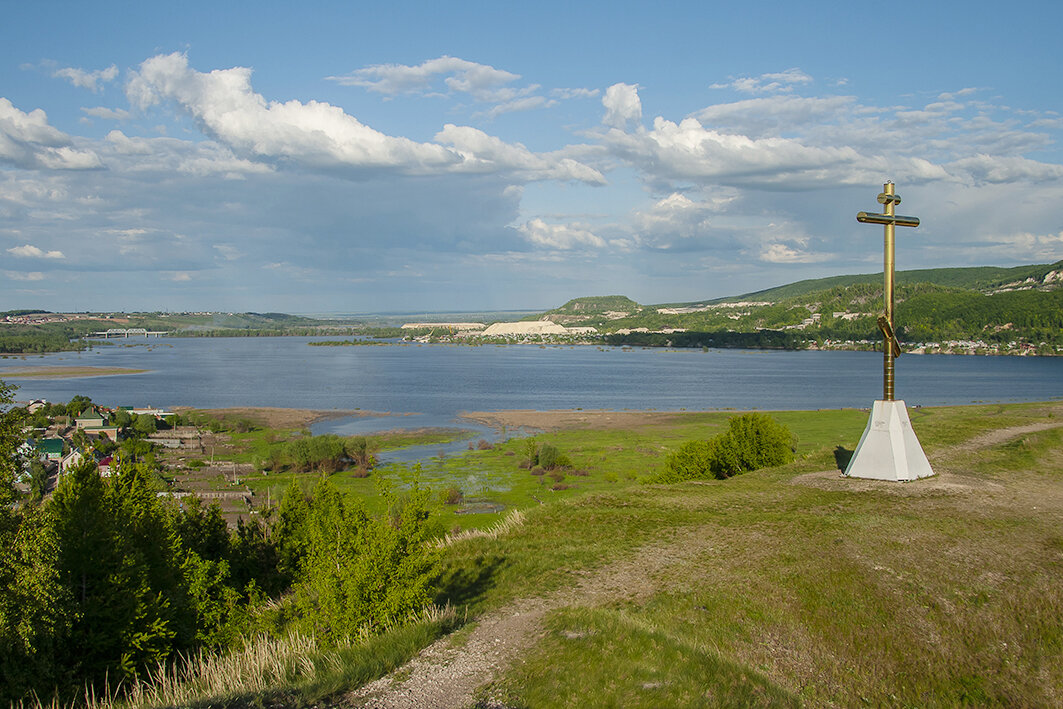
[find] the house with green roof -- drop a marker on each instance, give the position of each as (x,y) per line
(90,418)
(50,448)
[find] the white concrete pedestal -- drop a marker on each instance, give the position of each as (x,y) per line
(889,450)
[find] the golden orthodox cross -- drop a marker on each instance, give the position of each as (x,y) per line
(891,348)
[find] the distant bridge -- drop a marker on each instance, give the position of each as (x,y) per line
(128,332)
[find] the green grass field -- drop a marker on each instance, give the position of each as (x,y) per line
(784,587)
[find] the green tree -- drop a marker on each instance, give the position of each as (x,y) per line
(114,559)
(289,532)
(202,529)
(11,420)
(360,571)
(144,424)
(77,405)
(38,480)
(32,608)
(122,419)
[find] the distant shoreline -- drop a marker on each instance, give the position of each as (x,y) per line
(67,372)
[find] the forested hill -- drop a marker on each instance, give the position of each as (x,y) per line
(981,278)
(963,309)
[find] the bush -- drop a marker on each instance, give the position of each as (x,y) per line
(751,441)
(452,495)
(550,458)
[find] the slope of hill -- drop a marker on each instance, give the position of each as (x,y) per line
(981,278)
(987,309)
(591,310)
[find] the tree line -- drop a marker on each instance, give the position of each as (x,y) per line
(105,579)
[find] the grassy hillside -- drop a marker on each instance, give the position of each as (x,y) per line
(982,278)
(591,310)
(782,587)
(1017,310)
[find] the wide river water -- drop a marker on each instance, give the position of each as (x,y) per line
(436,382)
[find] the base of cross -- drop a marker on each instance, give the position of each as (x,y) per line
(889,450)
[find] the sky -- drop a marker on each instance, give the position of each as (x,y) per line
(327,157)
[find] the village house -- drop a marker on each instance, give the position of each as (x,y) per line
(70,460)
(50,449)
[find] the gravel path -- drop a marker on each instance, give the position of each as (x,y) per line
(447,674)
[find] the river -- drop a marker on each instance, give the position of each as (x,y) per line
(432,384)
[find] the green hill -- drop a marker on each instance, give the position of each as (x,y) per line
(592,310)
(982,278)
(1004,309)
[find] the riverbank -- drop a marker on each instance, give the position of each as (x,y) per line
(564,419)
(68,372)
(277,417)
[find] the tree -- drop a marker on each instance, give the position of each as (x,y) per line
(38,480)
(10,438)
(116,563)
(289,532)
(122,419)
(34,607)
(144,424)
(360,571)
(77,405)
(31,608)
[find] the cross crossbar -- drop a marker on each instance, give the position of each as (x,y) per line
(897,220)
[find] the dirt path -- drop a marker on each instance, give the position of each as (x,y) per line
(1000,435)
(447,674)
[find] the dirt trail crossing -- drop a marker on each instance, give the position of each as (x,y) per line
(445,676)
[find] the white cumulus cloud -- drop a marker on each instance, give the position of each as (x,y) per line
(113,114)
(314,134)
(448,75)
(485,153)
(320,135)
(24,276)
(27,141)
(90,80)
(622,105)
(480,80)
(783,253)
(783,81)
(31,251)
(564,237)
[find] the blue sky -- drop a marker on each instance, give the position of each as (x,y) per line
(329,157)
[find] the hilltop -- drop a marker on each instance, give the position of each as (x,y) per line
(986,279)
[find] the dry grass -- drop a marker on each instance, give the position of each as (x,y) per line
(264,665)
(511,521)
